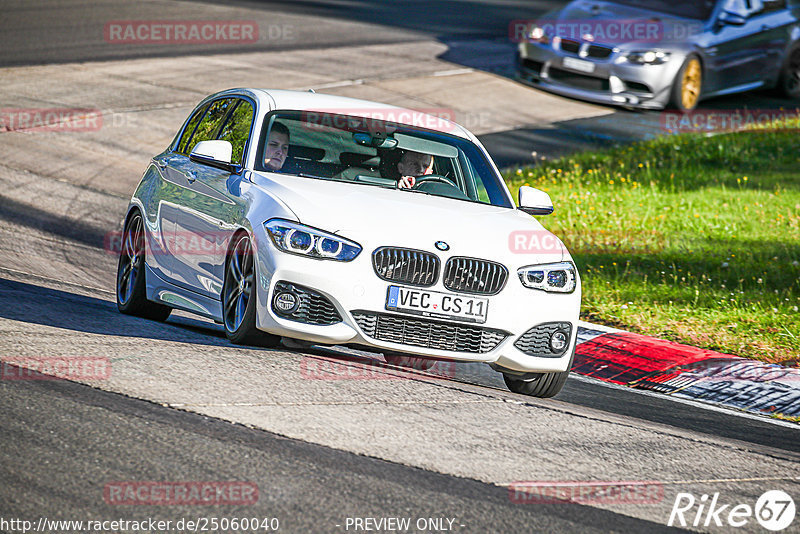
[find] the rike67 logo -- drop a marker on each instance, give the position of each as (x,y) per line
(774,510)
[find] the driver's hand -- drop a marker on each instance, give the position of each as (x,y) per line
(406,182)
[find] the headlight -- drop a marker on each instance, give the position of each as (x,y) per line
(553,277)
(647,57)
(303,240)
(536,34)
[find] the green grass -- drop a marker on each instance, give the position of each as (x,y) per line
(692,238)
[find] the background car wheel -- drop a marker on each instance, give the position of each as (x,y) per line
(421,364)
(790,75)
(546,386)
(239,297)
(131,290)
(688,85)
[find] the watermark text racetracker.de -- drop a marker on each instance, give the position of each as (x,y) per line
(55,368)
(585,241)
(601,31)
(152,493)
(195,524)
(312,368)
(728,120)
(586,492)
(50,119)
(195,32)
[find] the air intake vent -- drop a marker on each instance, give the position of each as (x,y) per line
(428,334)
(311,307)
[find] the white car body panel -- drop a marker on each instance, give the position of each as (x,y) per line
(371,216)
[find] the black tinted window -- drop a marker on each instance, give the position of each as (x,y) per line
(237,129)
(189,130)
(208,127)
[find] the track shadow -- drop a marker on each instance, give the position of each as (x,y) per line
(20,301)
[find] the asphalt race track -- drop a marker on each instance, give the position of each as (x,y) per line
(181,404)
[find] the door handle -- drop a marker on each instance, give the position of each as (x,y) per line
(191,177)
(765,28)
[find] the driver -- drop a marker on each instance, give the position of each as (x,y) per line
(411,165)
(277,147)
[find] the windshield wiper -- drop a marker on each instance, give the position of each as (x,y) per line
(305,175)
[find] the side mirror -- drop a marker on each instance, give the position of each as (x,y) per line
(215,153)
(732,19)
(534,201)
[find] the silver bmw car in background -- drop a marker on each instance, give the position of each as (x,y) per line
(652,54)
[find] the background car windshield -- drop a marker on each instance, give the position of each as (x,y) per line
(367,152)
(690,9)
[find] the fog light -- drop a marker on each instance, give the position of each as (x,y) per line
(558,341)
(285,302)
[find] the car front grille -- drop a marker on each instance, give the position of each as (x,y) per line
(581,81)
(407,266)
(571,46)
(471,275)
(600,52)
(568,45)
(536,341)
(314,308)
(427,333)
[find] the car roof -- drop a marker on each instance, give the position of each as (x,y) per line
(432,119)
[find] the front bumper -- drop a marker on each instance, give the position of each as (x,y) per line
(611,83)
(354,289)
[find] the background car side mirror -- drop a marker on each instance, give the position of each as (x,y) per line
(731,19)
(534,201)
(215,153)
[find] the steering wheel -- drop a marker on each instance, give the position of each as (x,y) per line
(419,180)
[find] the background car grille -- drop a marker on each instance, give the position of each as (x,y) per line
(408,266)
(536,341)
(314,307)
(596,51)
(428,334)
(470,275)
(568,45)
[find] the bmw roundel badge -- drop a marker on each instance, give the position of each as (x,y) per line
(441,245)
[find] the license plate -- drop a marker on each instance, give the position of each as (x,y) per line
(579,64)
(437,305)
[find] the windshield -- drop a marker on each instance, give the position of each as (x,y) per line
(690,9)
(377,153)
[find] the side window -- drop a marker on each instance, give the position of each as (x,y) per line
(189,130)
(208,127)
(770,6)
(237,129)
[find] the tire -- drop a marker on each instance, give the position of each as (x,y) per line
(420,364)
(131,288)
(688,85)
(546,386)
(239,298)
(790,75)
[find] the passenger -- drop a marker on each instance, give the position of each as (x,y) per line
(277,147)
(412,165)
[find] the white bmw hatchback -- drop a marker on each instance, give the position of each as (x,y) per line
(339,221)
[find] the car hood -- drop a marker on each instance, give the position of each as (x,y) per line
(375,216)
(672,29)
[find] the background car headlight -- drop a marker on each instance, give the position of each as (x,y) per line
(647,57)
(536,34)
(303,240)
(553,277)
